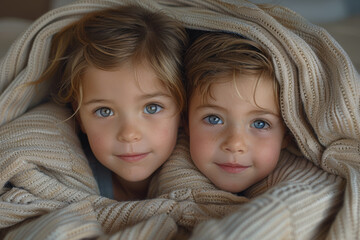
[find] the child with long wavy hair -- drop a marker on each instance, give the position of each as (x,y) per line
(119,69)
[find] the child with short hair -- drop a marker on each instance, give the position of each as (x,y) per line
(234,119)
(120,71)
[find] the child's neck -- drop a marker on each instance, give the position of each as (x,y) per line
(126,191)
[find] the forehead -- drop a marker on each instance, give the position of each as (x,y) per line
(139,73)
(256,90)
(125,80)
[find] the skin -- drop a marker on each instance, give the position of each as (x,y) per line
(131,122)
(235,141)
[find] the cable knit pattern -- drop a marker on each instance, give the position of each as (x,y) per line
(48,191)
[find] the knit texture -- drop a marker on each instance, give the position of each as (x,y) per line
(48,191)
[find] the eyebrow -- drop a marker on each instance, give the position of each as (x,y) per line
(93,101)
(258,112)
(207,105)
(265,112)
(155,94)
(145,96)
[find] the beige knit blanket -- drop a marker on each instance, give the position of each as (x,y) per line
(48,191)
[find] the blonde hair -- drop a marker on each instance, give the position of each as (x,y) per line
(217,55)
(107,38)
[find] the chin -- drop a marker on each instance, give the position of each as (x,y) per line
(137,178)
(230,188)
(134,179)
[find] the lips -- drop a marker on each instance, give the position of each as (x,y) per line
(232,167)
(133,157)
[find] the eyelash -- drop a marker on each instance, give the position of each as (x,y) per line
(159,108)
(267,125)
(220,121)
(208,121)
(98,112)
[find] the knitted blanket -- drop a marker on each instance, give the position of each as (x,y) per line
(48,191)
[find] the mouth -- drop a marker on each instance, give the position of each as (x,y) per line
(132,157)
(232,167)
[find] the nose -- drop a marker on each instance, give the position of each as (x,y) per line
(235,142)
(129,132)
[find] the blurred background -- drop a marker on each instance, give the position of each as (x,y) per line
(340,17)
(320,11)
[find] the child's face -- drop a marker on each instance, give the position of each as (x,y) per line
(233,141)
(130,119)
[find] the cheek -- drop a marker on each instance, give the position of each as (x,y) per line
(269,156)
(201,146)
(164,133)
(99,139)
(100,148)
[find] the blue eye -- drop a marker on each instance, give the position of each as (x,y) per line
(104,112)
(213,120)
(152,108)
(260,124)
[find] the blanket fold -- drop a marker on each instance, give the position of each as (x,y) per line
(298,200)
(46,182)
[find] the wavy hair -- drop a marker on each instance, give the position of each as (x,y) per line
(107,38)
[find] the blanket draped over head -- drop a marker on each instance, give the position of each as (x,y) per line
(48,190)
